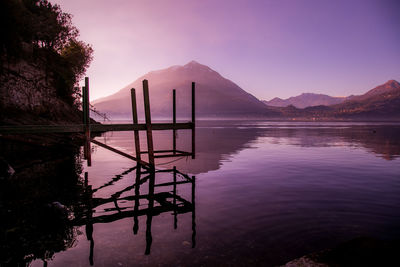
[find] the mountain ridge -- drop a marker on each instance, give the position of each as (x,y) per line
(379,103)
(305,100)
(218,97)
(215,95)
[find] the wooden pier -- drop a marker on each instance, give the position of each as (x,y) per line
(87,128)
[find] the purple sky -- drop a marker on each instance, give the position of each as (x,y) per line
(269,48)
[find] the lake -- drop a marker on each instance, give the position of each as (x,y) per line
(258,193)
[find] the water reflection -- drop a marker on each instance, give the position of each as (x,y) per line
(129,205)
(47,203)
(36,204)
(219,141)
(265,195)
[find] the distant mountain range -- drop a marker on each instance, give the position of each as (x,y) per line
(305,100)
(215,95)
(218,97)
(379,103)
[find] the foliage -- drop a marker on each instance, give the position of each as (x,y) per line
(38,30)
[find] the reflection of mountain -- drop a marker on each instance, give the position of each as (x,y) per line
(380,140)
(213,145)
(218,141)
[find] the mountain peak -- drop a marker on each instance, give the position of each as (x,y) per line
(392,83)
(196,66)
(215,97)
(193,63)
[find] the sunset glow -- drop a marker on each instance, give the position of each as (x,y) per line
(269,48)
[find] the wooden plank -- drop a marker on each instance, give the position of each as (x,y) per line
(173,155)
(174,120)
(135,122)
(159,151)
(15,129)
(193,120)
(149,132)
(117,127)
(119,152)
(169,126)
(140,127)
(172,183)
(80,128)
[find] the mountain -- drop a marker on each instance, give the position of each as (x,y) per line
(215,95)
(382,101)
(305,100)
(379,103)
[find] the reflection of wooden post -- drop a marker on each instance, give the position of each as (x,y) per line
(193,212)
(148,122)
(174,120)
(193,120)
(135,121)
(89,223)
(137,202)
(174,201)
(149,237)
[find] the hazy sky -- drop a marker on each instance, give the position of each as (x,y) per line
(269,48)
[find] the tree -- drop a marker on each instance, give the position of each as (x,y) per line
(52,37)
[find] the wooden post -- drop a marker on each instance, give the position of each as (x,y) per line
(174,120)
(87,122)
(135,121)
(149,132)
(193,120)
(87,101)
(86,179)
(83,105)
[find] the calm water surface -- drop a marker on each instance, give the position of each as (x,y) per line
(263,194)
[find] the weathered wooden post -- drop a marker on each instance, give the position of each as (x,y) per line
(149,130)
(135,121)
(87,121)
(84,105)
(85,148)
(174,120)
(193,120)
